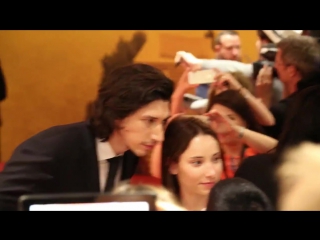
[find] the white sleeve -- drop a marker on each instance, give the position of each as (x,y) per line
(228,66)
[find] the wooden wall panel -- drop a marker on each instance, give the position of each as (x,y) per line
(170,43)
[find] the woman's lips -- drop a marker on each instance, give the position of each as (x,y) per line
(149,147)
(208,184)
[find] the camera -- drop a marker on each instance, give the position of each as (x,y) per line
(267,57)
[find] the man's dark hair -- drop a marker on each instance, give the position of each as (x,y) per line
(217,40)
(126,90)
(315,34)
(237,194)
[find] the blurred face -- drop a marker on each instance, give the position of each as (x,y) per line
(230,48)
(145,128)
(258,45)
(225,136)
(286,72)
(200,166)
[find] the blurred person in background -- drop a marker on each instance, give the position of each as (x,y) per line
(302,124)
(299,179)
(227,45)
(267,86)
(165,200)
(298,67)
(297,64)
(236,194)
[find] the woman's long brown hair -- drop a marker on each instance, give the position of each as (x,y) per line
(236,102)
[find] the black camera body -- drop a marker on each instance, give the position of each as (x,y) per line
(267,55)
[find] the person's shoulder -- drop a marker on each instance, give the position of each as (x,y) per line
(260,159)
(65,129)
(255,166)
(61,133)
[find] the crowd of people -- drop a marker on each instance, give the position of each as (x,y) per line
(233,154)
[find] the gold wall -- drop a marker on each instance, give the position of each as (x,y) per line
(51,75)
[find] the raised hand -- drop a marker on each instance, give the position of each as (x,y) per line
(220,123)
(263,86)
(188,60)
(225,81)
(183,83)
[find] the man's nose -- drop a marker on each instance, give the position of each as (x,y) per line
(158,133)
(235,52)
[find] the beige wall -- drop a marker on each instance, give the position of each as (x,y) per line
(51,75)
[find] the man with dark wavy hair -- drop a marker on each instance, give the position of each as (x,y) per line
(127,120)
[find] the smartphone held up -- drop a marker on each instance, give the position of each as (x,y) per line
(202,77)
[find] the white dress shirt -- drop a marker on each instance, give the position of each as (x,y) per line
(105,152)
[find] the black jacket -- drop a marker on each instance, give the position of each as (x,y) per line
(280,110)
(61,159)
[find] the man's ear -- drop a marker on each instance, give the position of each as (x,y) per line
(173,169)
(292,70)
(217,47)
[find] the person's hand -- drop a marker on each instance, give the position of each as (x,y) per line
(188,60)
(220,123)
(183,83)
(225,81)
(263,86)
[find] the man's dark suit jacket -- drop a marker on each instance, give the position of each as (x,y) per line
(61,159)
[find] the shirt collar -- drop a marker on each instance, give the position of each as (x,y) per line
(104,150)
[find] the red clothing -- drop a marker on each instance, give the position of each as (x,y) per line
(232,163)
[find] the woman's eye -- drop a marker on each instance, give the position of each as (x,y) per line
(197,163)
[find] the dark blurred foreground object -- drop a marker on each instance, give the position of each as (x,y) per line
(124,55)
(314,33)
(237,194)
(3,88)
(3,91)
(267,57)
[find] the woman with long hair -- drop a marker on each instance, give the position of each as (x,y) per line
(237,129)
(191,162)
